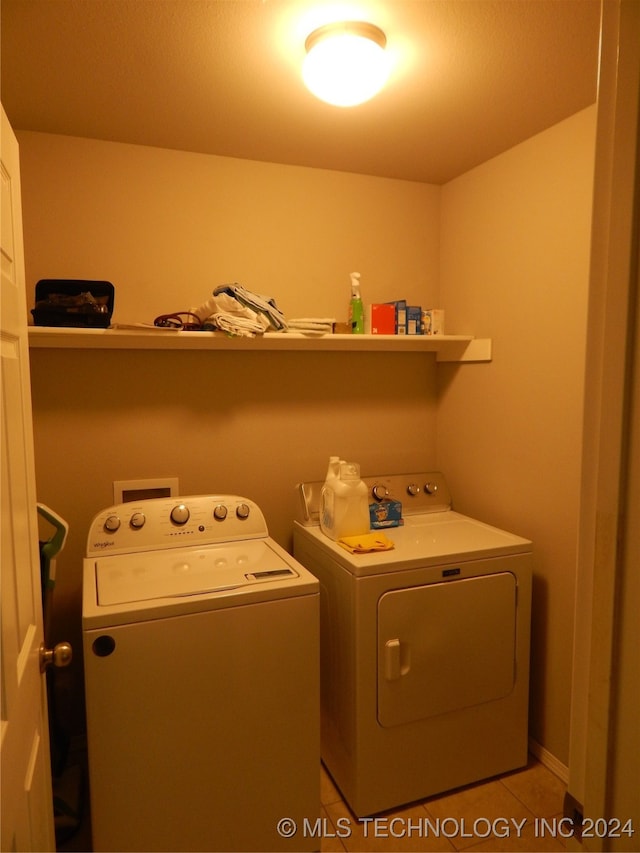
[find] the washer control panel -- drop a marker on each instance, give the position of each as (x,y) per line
(175,522)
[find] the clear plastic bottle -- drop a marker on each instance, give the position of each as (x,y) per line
(356,308)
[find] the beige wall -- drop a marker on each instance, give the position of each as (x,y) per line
(166,227)
(515,267)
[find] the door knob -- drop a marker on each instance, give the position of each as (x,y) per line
(59,655)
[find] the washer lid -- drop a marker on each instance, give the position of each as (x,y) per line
(184,572)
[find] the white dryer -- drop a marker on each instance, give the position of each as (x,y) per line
(202,679)
(424,648)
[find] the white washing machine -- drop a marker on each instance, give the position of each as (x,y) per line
(201,654)
(424,648)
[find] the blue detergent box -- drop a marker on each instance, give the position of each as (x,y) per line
(414,320)
(401,315)
(385,514)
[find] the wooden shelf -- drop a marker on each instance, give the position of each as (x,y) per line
(446,347)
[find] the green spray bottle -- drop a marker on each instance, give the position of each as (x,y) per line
(356,308)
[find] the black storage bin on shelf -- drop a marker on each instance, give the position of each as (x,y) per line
(73,302)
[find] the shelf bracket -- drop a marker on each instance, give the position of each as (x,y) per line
(477,349)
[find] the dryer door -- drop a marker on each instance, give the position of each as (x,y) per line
(445,646)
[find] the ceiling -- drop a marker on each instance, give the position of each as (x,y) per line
(470,78)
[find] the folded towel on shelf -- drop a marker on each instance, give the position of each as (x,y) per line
(226,304)
(322,325)
(263,305)
(235,325)
(205,310)
(366,543)
(227,314)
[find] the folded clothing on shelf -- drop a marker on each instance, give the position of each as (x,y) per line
(322,325)
(262,305)
(228,314)
(232,324)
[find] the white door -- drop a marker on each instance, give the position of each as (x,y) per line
(27,805)
(445,646)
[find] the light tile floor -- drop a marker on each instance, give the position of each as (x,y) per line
(520,806)
(519,811)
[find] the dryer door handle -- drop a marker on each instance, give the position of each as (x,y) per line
(396,659)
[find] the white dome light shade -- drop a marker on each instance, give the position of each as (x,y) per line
(346,63)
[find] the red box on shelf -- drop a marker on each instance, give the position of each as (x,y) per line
(383,319)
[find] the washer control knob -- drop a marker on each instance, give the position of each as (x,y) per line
(413,489)
(137,520)
(112,524)
(220,512)
(243,511)
(180,514)
(431,488)
(379,492)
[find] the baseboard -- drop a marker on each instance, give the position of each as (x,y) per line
(549,760)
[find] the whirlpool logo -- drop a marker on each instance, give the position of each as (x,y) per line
(104,544)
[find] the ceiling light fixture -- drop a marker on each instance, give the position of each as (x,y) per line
(346,62)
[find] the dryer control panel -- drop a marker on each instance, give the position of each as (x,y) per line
(160,523)
(424,491)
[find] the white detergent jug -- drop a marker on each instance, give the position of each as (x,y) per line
(327,497)
(345,503)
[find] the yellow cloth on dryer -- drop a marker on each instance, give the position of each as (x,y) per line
(366,543)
